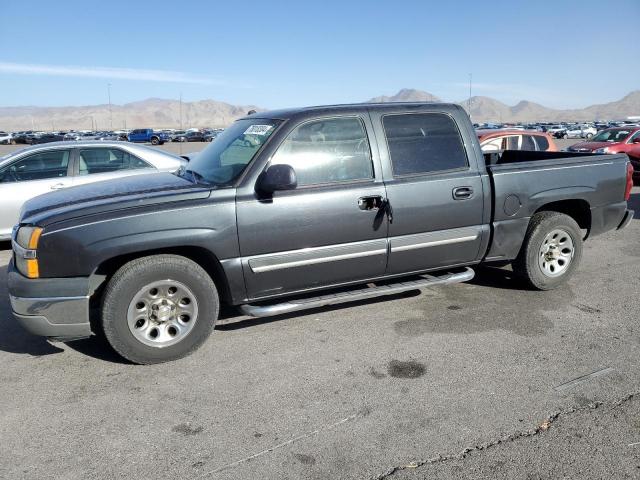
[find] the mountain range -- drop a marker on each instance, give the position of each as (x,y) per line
(153,112)
(487,109)
(162,113)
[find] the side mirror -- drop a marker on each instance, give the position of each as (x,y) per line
(278,177)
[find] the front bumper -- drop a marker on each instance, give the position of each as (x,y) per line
(54,307)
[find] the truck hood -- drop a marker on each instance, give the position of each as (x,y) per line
(126,192)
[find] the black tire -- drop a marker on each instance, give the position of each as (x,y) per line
(154,141)
(526,265)
(565,136)
(136,274)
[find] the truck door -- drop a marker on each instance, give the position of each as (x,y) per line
(435,194)
(327,231)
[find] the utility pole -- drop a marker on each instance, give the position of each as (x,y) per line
(180,121)
(110,112)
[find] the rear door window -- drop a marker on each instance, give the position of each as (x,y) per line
(542,142)
(513,142)
(527,143)
(107,160)
(39,166)
(423,143)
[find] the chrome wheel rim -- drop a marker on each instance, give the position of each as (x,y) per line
(162,313)
(556,253)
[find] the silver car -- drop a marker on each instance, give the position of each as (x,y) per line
(35,170)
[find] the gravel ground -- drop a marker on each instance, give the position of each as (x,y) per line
(478,380)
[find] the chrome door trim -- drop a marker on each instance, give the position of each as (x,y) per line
(433,239)
(316,255)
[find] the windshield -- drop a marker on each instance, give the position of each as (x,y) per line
(222,162)
(612,135)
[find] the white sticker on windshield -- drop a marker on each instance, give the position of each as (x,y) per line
(258,129)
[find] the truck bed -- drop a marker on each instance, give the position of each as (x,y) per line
(522,182)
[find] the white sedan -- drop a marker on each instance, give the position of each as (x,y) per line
(6,138)
(35,170)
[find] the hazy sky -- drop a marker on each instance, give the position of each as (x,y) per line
(277,53)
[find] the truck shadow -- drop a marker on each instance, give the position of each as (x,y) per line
(498,277)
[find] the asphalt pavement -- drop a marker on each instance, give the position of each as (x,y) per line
(477,380)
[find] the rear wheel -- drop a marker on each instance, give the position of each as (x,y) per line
(159,308)
(551,251)
(565,136)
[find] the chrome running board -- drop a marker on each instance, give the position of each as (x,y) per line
(359,293)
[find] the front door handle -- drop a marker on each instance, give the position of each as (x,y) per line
(376,202)
(462,193)
(57,186)
(370,203)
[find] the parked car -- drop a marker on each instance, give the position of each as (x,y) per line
(579,131)
(6,139)
(174,136)
(286,204)
(634,157)
(46,138)
(147,135)
(615,140)
(21,137)
(612,140)
(509,139)
(193,136)
(32,137)
(81,136)
(36,170)
(111,137)
(554,130)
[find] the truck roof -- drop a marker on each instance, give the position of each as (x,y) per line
(289,113)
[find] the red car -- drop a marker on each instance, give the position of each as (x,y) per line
(511,139)
(615,140)
(611,140)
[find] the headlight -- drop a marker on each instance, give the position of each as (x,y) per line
(601,150)
(25,248)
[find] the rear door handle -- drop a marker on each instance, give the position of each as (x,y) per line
(462,193)
(57,186)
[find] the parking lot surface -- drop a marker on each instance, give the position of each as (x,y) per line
(476,380)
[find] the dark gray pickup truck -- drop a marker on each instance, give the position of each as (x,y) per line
(295,209)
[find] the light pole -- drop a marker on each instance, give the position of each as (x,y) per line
(180,121)
(110,112)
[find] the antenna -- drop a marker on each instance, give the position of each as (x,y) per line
(469,102)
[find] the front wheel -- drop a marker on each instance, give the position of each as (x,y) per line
(155,141)
(551,250)
(159,308)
